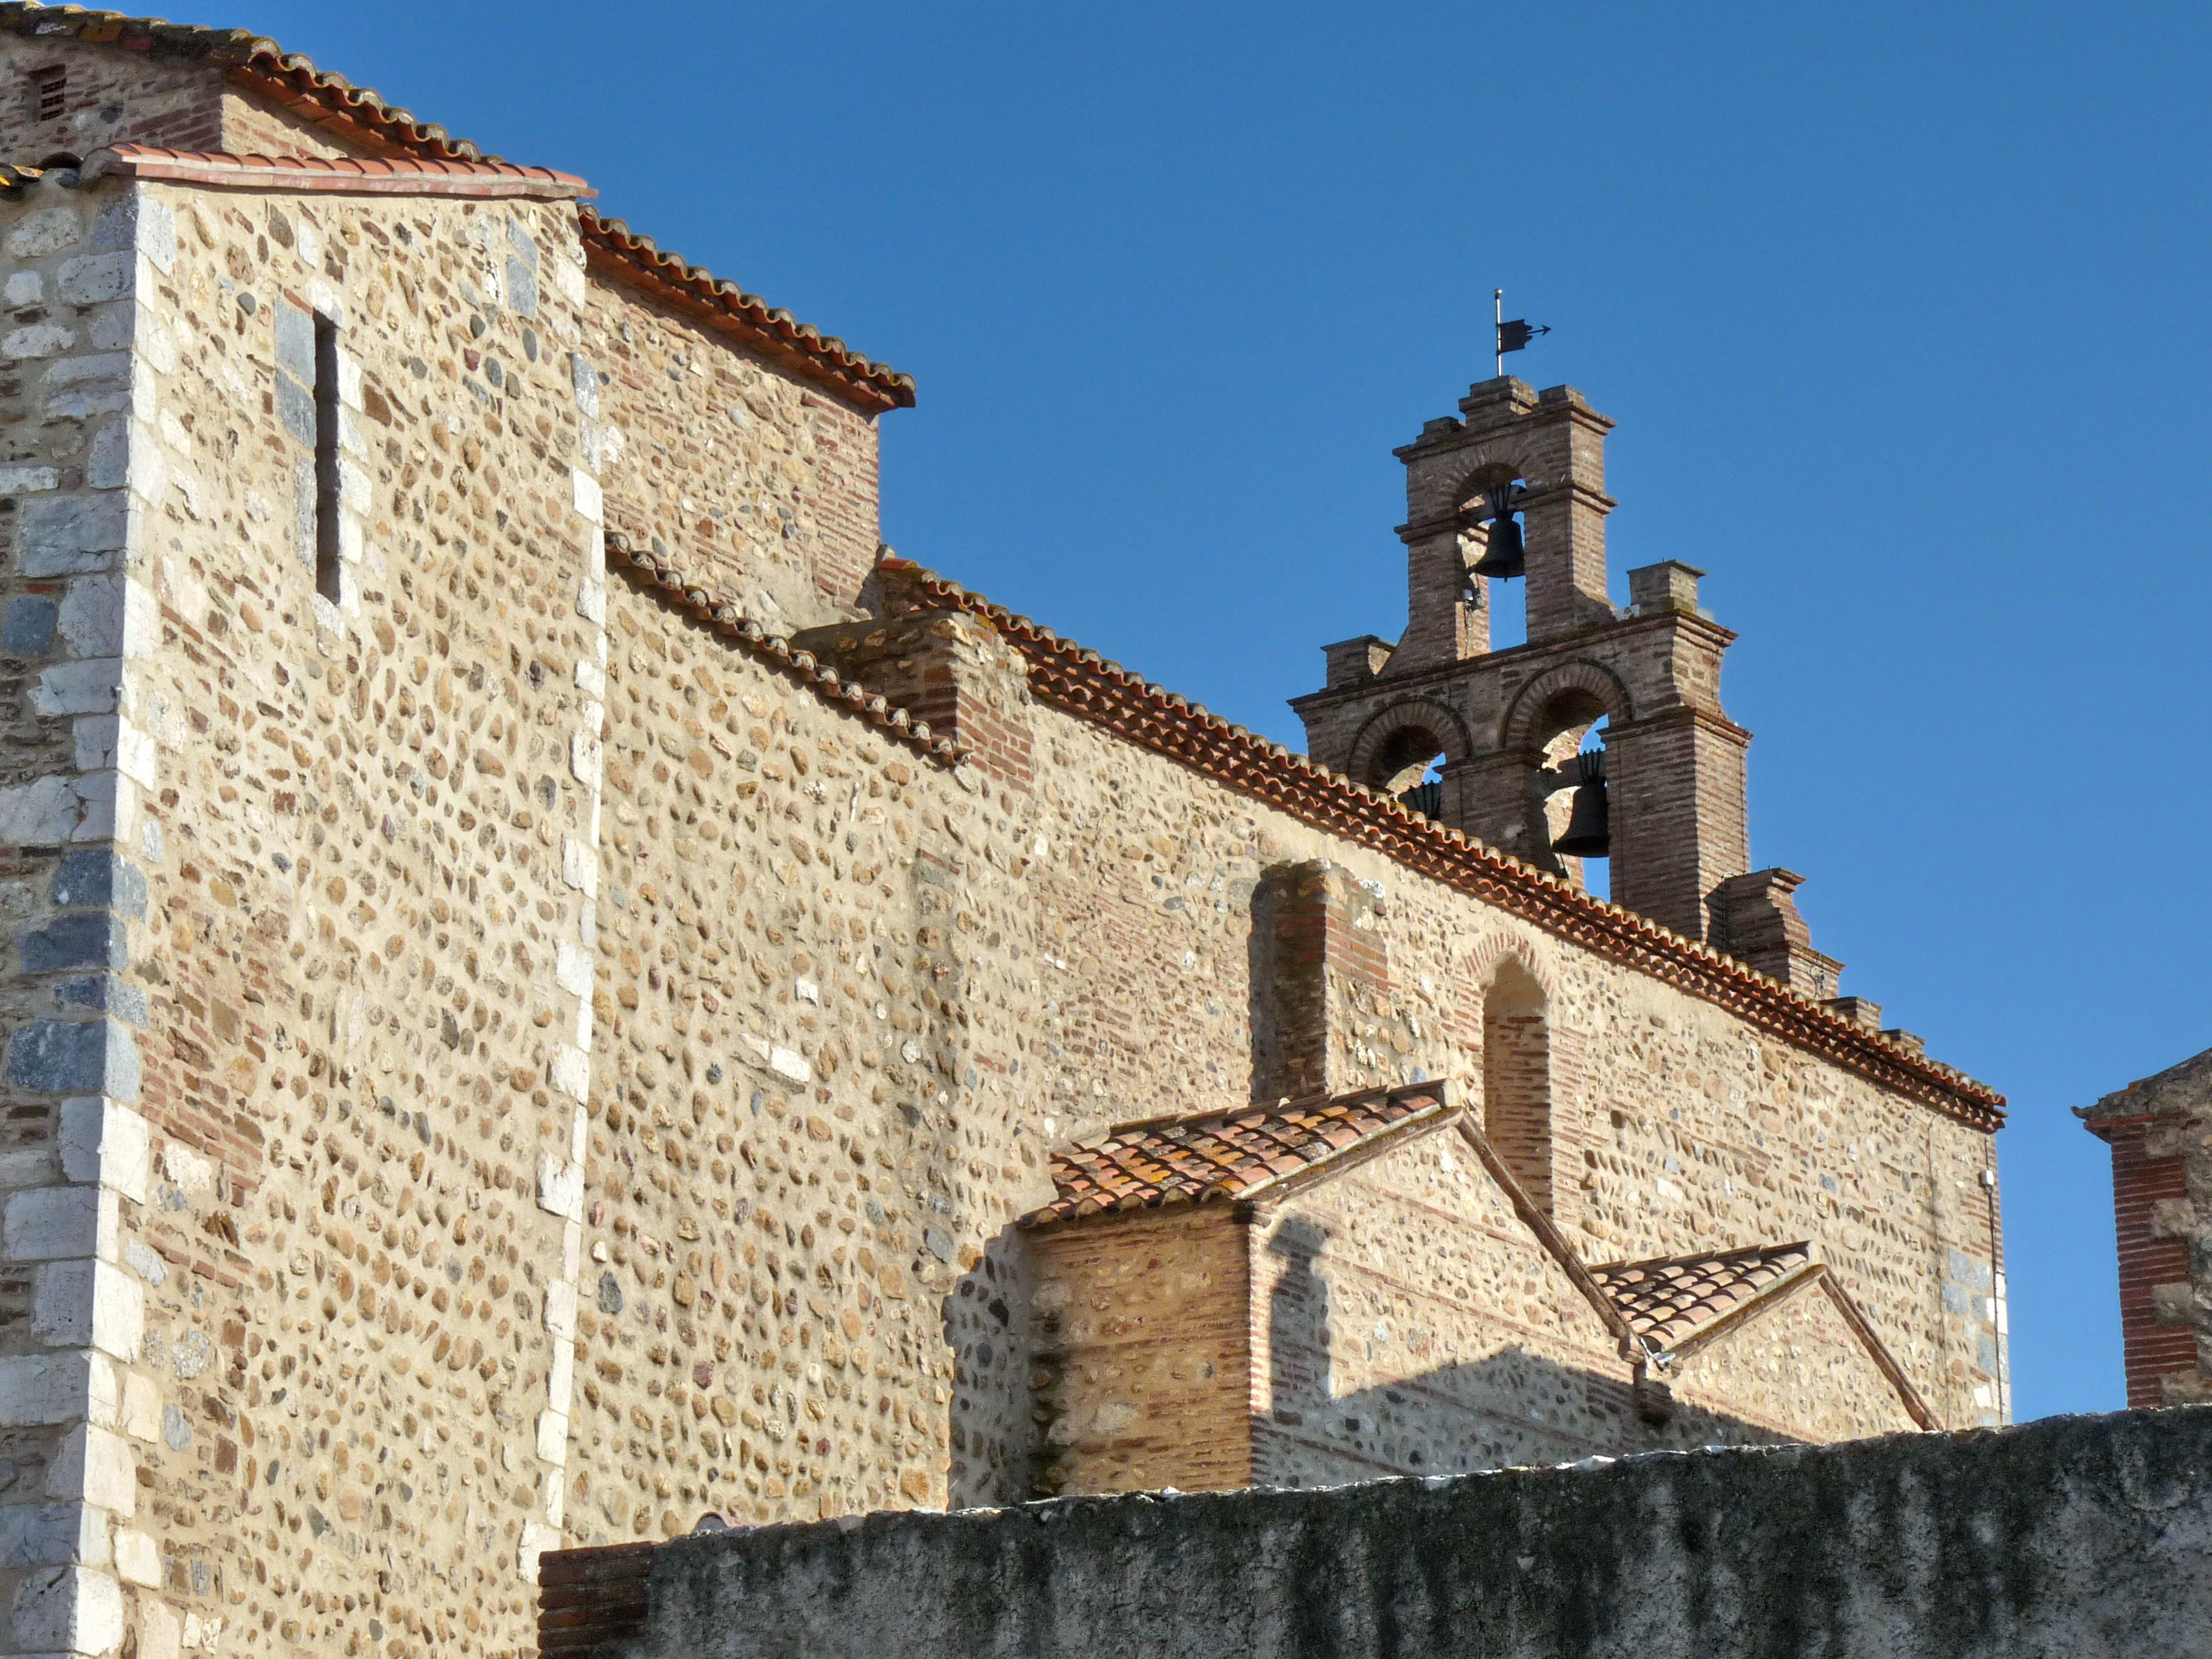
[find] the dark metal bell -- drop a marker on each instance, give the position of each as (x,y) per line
(1505,555)
(1589,834)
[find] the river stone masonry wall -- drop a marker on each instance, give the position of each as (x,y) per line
(507,1055)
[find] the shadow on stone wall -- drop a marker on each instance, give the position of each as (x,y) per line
(995,1444)
(1507,1408)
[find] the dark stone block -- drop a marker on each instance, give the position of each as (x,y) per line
(296,407)
(85,879)
(522,288)
(91,939)
(295,345)
(29,629)
(54,1057)
(109,995)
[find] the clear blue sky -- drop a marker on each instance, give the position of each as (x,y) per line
(1902,310)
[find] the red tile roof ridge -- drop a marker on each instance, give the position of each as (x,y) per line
(623,253)
(659,576)
(356,115)
(1698,1258)
(375,175)
(1285,1106)
(1092,687)
(254,60)
(1210,1157)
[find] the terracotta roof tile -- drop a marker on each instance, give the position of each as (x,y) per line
(1087,685)
(621,252)
(257,62)
(1670,1298)
(658,576)
(351,175)
(1162,1161)
(357,116)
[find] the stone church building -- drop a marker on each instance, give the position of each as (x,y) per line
(556,986)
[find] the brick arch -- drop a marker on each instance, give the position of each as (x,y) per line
(1518,734)
(1511,1008)
(1438,720)
(1484,955)
(1491,470)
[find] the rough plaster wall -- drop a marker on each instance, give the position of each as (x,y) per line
(110,96)
(1143,1354)
(1799,1371)
(362,1059)
(812,1130)
(753,480)
(2067,1537)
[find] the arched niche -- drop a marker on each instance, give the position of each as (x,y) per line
(1516,1078)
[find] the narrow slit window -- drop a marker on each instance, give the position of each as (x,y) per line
(326,457)
(49,93)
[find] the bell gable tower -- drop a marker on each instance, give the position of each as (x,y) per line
(1492,742)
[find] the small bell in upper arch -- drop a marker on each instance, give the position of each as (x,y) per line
(1588,832)
(1505,554)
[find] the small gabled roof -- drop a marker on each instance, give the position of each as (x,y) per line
(1670,1298)
(1157,1161)
(1677,1304)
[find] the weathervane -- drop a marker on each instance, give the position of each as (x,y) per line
(1514,336)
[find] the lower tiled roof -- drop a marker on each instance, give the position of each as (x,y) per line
(1160,1161)
(1672,1298)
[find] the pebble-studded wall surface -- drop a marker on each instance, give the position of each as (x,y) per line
(485,953)
(855,996)
(360,1064)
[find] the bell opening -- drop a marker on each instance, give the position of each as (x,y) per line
(1426,794)
(1588,834)
(1498,545)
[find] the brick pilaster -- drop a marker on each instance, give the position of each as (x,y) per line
(2158,1329)
(1321,984)
(947,668)
(1679,828)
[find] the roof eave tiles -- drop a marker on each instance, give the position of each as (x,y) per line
(357,115)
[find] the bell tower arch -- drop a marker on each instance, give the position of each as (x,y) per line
(1664,795)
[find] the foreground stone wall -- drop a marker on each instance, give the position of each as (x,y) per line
(2067,1537)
